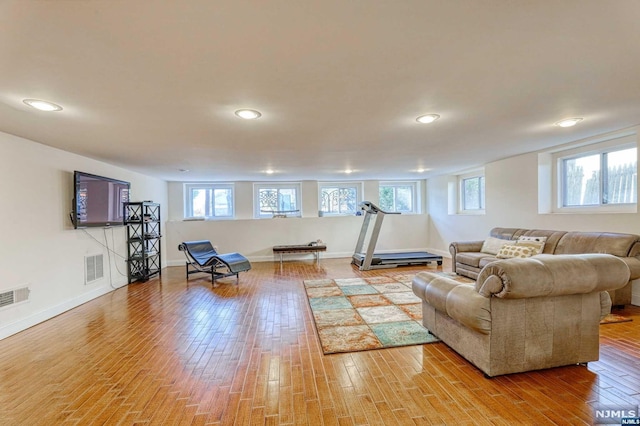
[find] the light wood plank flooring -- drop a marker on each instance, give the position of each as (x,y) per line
(174,352)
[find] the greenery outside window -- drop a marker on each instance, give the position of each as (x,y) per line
(276,198)
(401,197)
(471,192)
(599,178)
(209,200)
(340,198)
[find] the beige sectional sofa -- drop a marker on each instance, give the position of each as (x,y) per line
(523,313)
(468,259)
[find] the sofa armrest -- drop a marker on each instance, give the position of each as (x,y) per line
(552,275)
(459,301)
(634,266)
(462,246)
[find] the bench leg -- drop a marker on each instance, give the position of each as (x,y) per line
(316,254)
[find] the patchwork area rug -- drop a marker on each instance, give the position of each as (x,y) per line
(357,314)
(614,318)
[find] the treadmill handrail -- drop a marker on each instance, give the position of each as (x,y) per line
(369,207)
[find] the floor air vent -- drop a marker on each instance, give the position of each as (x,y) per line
(93,268)
(14,296)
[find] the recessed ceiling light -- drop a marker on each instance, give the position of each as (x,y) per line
(248,114)
(269,171)
(568,122)
(420,170)
(426,119)
(348,171)
(42,105)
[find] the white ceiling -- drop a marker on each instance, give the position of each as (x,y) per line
(152,85)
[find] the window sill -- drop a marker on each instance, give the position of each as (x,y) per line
(201,219)
(471,213)
(633,208)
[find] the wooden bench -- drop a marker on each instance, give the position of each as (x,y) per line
(300,248)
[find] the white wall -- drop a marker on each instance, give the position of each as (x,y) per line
(40,249)
(254,238)
(512,201)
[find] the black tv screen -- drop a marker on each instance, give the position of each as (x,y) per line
(98,200)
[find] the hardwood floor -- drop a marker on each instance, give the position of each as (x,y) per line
(174,352)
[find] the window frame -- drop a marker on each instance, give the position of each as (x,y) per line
(257,186)
(476,174)
(415,194)
(559,158)
(340,185)
(188,188)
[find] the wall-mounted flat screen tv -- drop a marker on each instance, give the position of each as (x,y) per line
(98,200)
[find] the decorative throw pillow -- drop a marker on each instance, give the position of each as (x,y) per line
(530,238)
(513,250)
(535,242)
(493,245)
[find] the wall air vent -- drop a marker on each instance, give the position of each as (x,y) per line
(93,268)
(12,297)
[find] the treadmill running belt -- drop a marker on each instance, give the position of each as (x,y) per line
(405,258)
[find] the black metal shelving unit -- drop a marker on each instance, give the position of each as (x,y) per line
(143,240)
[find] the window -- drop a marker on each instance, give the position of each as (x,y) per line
(340,198)
(399,197)
(276,199)
(209,200)
(605,177)
(471,190)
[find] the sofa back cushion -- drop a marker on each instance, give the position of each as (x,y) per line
(618,244)
(505,233)
(597,242)
(553,237)
(514,233)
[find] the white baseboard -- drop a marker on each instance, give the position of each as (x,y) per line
(444,253)
(21,325)
(18,326)
(323,255)
(271,258)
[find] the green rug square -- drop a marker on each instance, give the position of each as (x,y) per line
(402,333)
(327,303)
(358,289)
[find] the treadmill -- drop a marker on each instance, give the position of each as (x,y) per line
(368,259)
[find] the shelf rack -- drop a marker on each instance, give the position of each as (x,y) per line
(143,240)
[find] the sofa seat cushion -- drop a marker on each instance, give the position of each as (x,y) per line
(474,258)
(486,260)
